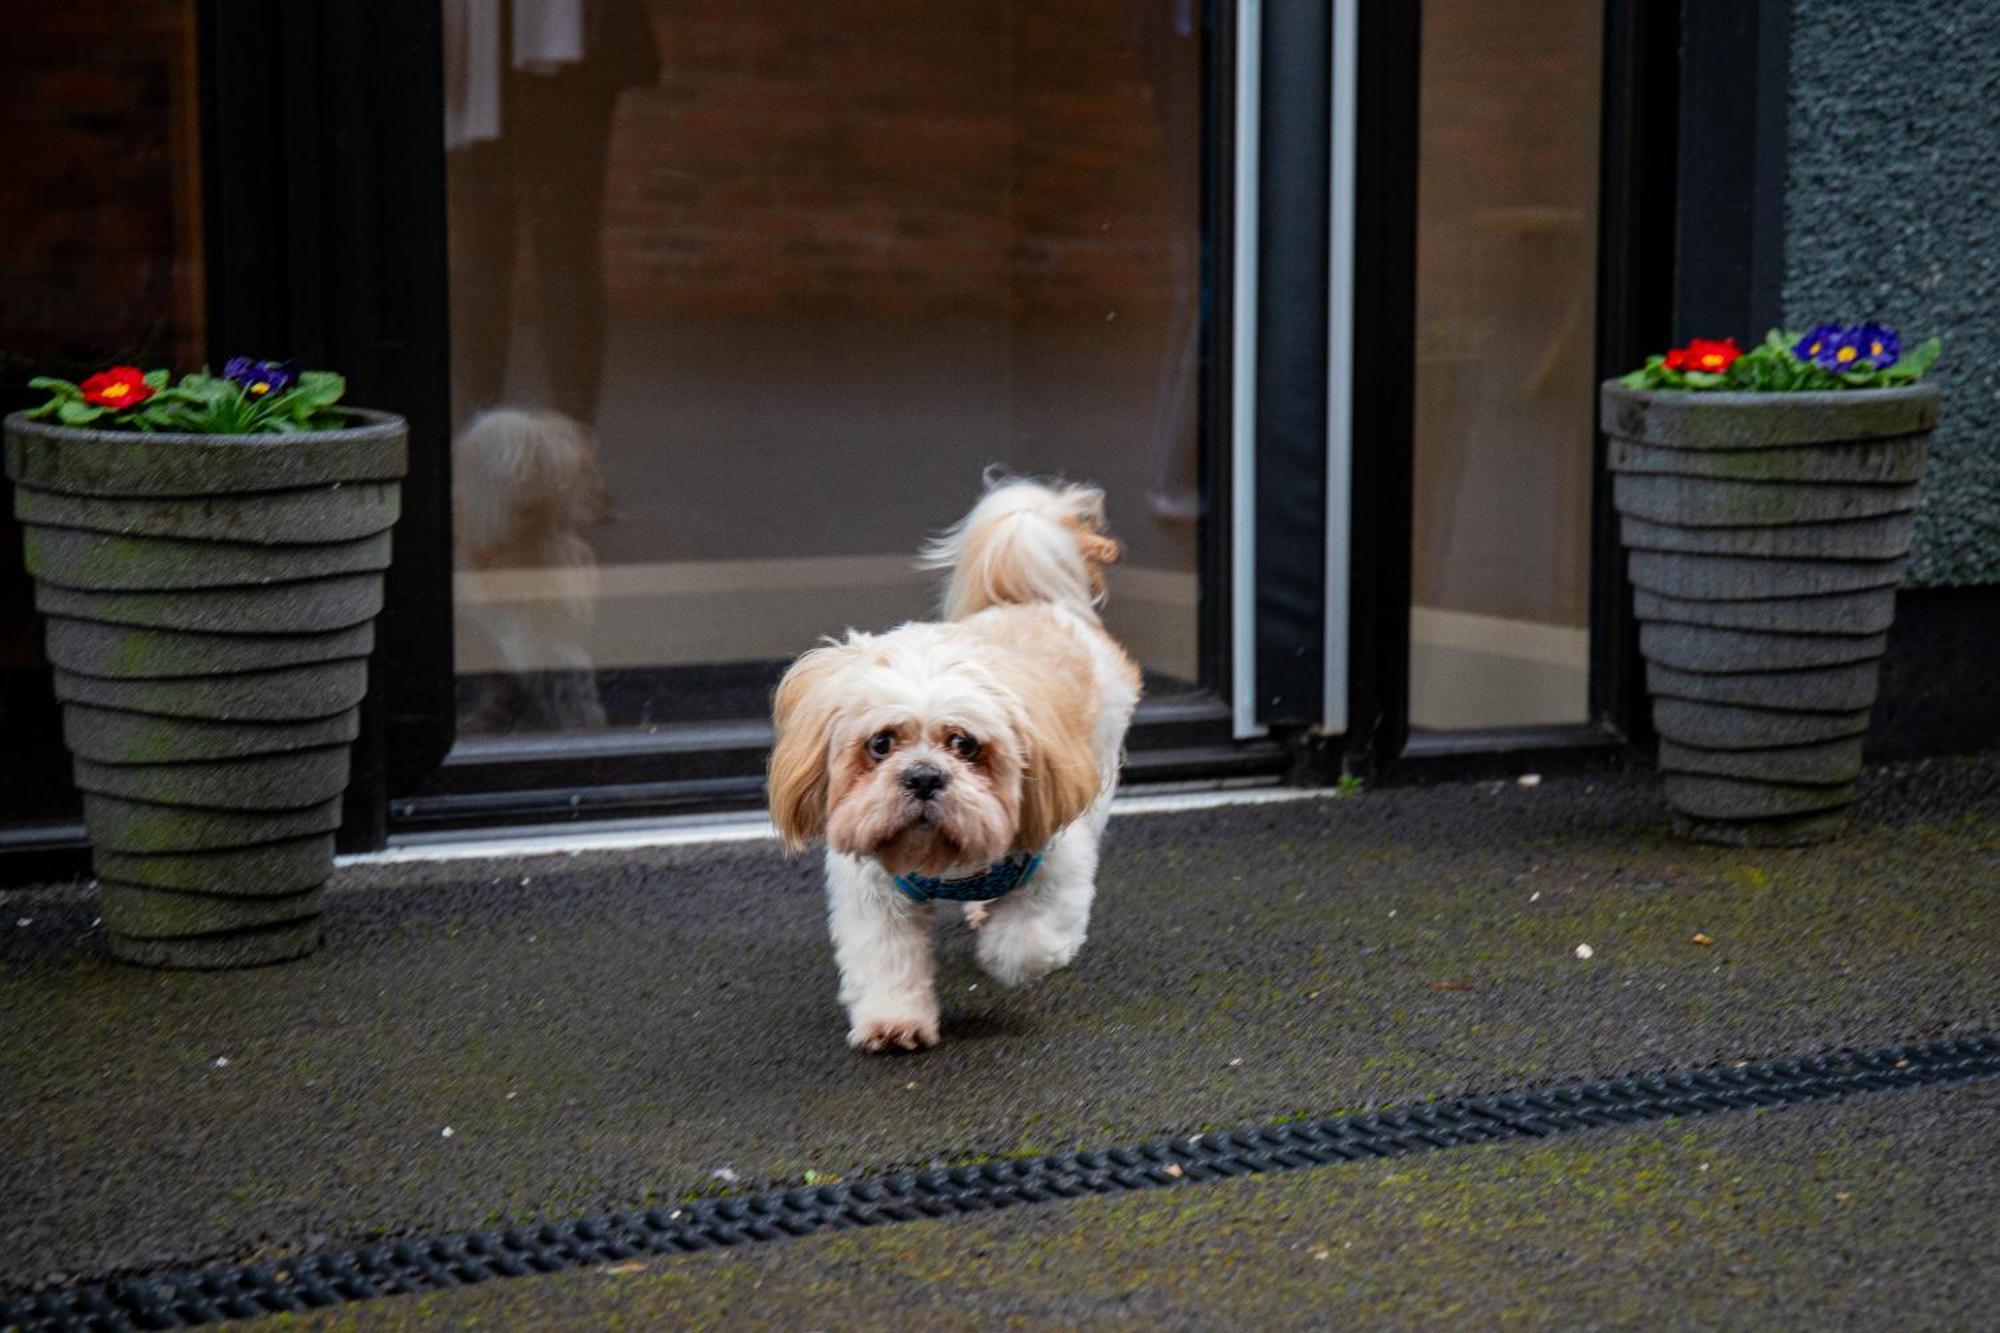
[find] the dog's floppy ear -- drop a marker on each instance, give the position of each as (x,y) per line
(803,714)
(1059,777)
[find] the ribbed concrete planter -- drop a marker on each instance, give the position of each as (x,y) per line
(210,605)
(1766,536)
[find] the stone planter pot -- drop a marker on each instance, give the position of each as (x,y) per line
(210,605)
(1766,535)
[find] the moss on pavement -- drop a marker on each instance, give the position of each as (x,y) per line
(1874,1213)
(612,1030)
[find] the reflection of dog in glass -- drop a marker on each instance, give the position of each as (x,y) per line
(971,759)
(526,490)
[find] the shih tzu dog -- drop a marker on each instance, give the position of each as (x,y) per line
(970,760)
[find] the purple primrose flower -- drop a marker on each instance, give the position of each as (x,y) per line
(1821,347)
(1838,348)
(1878,344)
(259,378)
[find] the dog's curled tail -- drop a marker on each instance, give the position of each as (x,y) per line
(1024,542)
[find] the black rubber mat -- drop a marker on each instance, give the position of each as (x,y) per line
(187,1298)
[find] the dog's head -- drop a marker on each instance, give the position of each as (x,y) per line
(929,748)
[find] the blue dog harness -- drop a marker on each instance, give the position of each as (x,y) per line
(996,881)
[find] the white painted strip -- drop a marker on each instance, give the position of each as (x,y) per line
(1341,176)
(750,826)
(1243,380)
(1168,803)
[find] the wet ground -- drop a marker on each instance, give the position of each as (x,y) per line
(616,1029)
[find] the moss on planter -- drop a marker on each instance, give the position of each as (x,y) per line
(211,601)
(1764,591)
(99,560)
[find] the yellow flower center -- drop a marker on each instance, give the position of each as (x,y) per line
(114,391)
(1875,348)
(1845,354)
(1814,349)
(260,388)
(1710,361)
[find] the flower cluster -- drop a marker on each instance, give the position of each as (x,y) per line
(1831,356)
(248,397)
(1839,348)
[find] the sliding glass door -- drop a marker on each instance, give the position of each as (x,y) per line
(1506,346)
(744,300)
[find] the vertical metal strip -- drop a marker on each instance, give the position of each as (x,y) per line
(1341,174)
(1243,378)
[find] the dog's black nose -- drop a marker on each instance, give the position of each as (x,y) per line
(923,781)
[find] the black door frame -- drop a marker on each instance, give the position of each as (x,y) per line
(338,102)
(1678,254)
(1637,223)
(326,242)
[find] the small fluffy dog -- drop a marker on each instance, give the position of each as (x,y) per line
(971,759)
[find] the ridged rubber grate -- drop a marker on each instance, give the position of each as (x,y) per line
(316,1281)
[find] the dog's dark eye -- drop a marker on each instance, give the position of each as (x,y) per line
(880,744)
(963,746)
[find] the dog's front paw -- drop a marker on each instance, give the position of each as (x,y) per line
(903,1032)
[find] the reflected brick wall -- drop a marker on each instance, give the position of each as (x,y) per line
(1506,296)
(101,262)
(895,156)
(101,190)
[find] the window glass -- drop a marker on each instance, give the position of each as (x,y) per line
(746,296)
(1506,334)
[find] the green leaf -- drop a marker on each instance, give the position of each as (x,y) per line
(1919,359)
(54,385)
(76,412)
(318,388)
(1780,340)
(157,379)
(1701,379)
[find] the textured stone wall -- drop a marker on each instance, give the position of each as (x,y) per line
(1892,211)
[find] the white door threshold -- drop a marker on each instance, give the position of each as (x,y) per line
(751,826)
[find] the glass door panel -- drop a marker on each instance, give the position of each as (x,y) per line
(745,297)
(1506,292)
